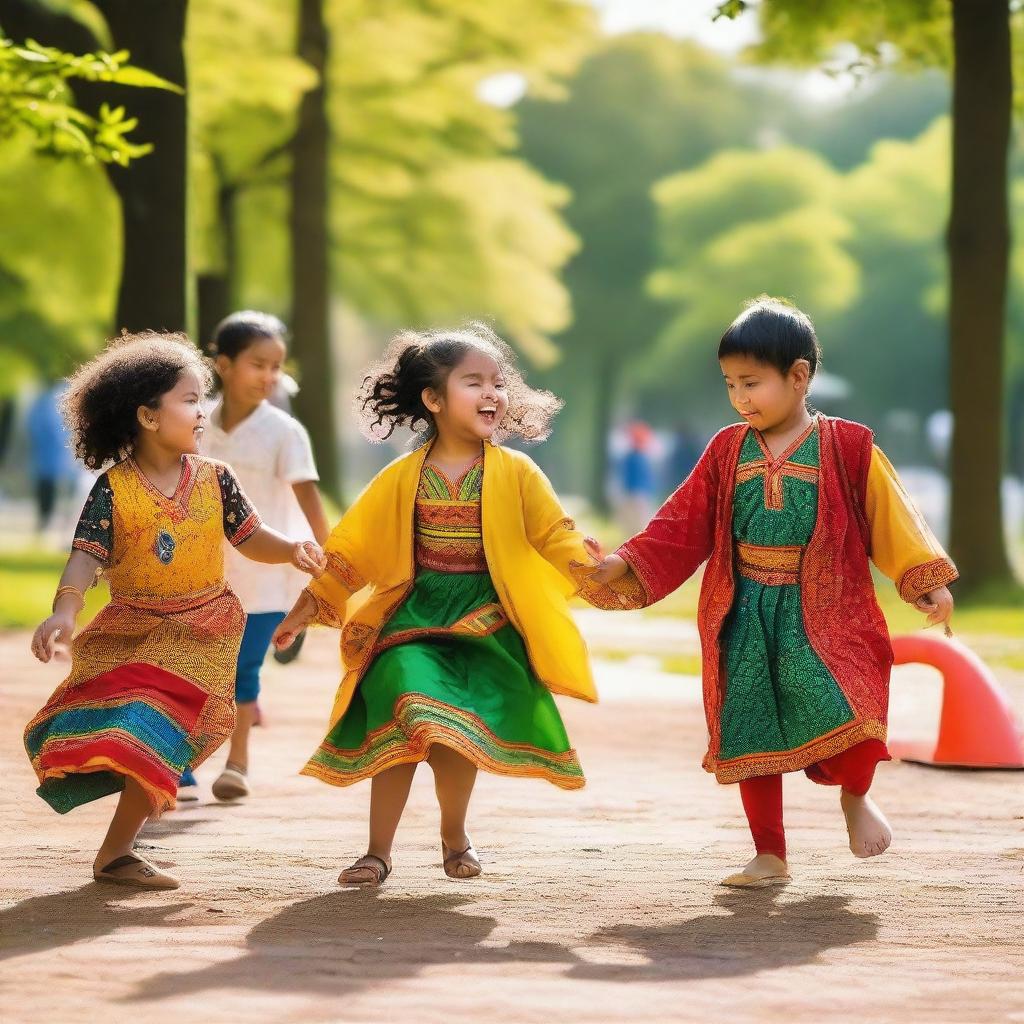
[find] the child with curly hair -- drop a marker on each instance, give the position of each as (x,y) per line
(469,558)
(150,692)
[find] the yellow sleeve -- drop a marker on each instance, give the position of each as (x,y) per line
(347,569)
(556,538)
(902,544)
(548,528)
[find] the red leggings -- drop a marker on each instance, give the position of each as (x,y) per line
(853,769)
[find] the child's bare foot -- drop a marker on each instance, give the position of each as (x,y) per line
(368,870)
(460,861)
(870,833)
(764,870)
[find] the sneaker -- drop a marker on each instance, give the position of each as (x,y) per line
(291,653)
(231,784)
(188,788)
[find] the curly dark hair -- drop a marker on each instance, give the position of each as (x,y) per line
(102,401)
(390,395)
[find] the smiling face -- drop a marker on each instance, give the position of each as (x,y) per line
(252,375)
(474,401)
(177,423)
(761,393)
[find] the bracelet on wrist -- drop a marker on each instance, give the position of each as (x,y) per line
(67,589)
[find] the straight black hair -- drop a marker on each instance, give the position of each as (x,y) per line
(774,332)
(235,333)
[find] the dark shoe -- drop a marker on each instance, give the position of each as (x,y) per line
(290,653)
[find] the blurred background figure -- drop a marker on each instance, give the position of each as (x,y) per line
(51,463)
(637,478)
(686,450)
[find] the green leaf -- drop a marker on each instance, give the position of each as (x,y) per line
(86,14)
(139,77)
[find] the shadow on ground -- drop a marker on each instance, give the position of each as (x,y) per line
(762,930)
(59,919)
(351,940)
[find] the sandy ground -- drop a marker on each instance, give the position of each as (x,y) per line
(599,905)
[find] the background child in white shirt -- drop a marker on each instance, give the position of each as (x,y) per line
(272,458)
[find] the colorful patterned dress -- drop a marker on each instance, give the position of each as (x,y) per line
(448,666)
(779,696)
(151,687)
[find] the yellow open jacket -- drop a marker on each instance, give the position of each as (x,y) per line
(535,556)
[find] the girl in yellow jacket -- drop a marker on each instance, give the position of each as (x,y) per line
(464,560)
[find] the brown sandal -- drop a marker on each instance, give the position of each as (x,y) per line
(463,858)
(134,871)
(378,866)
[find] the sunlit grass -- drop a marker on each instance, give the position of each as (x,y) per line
(28,581)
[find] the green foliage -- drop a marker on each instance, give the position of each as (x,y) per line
(35,99)
(431,219)
(243,97)
(639,108)
(850,37)
(61,258)
(86,14)
(742,224)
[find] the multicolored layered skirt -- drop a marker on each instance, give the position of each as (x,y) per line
(449,668)
(149,694)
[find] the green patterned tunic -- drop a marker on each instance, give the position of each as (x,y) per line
(449,667)
(779,696)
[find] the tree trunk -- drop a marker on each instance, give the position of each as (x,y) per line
(310,325)
(153,291)
(215,290)
(978,242)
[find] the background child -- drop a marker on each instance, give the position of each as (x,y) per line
(150,688)
(470,559)
(270,453)
(786,508)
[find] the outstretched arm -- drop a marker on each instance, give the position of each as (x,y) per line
(272,548)
(302,614)
(308,496)
(904,547)
(674,544)
(78,576)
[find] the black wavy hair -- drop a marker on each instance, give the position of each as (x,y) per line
(391,394)
(774,332)
(235,333)
(102,401)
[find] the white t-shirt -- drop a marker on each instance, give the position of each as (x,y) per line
(269,451)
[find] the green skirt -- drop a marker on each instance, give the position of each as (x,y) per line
(450,669)
(779,696)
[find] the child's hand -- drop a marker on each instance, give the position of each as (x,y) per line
(285,634)
(309,557)
(593,549)
(937,605)
(56,628)
(612,567)
(294,622)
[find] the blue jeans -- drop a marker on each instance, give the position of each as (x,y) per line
(259,628)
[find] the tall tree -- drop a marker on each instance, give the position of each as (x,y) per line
(243,115)
(310,267)
(154,278)
(973,37)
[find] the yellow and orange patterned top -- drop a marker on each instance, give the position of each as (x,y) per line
(448,524)
(159,552)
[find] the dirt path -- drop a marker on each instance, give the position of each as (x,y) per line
(596,906)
